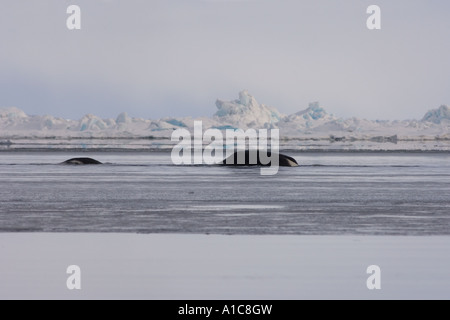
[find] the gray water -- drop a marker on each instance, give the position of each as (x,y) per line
(330,193)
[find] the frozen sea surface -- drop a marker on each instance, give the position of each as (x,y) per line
(329,194)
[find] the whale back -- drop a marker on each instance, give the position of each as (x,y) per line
(81,161)
(236,159)
(287,161)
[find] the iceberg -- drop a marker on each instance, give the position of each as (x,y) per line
(12,114)
(123,118)
(246,112)
(437,115)
(313,124)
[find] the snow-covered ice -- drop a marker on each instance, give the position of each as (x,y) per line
(245,112)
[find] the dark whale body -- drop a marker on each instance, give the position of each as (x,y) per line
(79,161)
(284,161)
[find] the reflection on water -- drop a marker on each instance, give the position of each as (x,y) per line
(390,143)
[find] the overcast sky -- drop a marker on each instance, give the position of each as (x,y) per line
(157,58)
